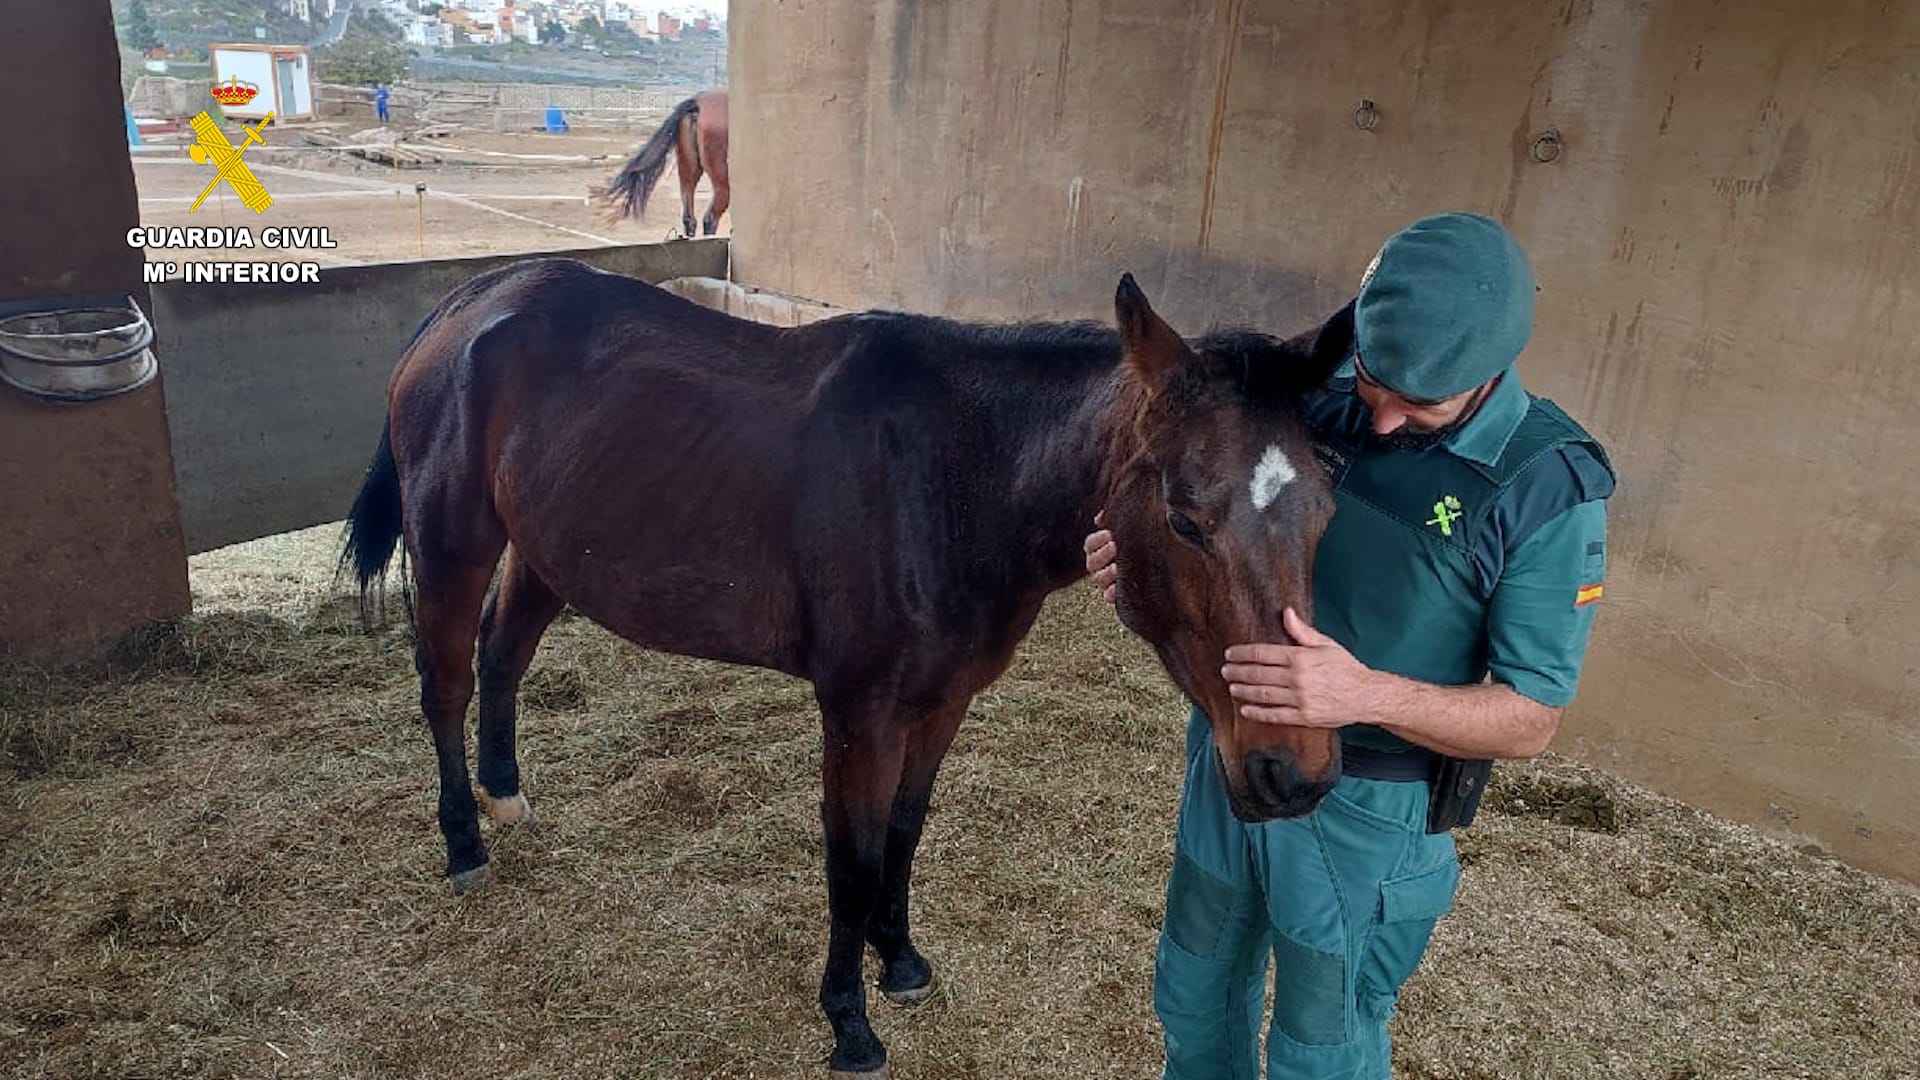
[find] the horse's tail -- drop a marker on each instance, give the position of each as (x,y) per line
(631,185)
(375,522)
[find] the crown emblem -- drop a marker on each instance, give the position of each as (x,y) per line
(234,92)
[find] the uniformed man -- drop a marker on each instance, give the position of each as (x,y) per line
(1453,595)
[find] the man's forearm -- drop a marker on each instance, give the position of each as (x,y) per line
(1486,720)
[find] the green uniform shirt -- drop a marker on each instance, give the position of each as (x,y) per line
(1481,555)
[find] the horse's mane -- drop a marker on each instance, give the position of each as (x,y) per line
(1269,371)
(1018,336)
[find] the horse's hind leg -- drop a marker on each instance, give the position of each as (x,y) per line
(686,163)
(906,978)
(450,589)
(713,154)
(519,611)
(721,197)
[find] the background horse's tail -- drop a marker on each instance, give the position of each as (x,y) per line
(631,185)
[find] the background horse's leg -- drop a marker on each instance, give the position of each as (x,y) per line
(906,978)
(864,753)
(686,162)
(711,223)
(449,593)
(518,612)
(713,155)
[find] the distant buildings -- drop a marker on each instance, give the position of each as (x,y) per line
(497,22)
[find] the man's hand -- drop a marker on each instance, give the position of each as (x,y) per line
(1317,683)
(1103,557)
(1314,683)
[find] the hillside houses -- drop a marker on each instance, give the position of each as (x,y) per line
(309,10)
(499,22)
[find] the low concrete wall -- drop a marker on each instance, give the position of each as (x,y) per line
(758,305)
(276,393)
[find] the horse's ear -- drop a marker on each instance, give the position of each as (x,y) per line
(1154,352)
(1326,348)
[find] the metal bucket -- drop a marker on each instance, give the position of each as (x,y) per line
(80,354)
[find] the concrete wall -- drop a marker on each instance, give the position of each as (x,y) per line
(774,309)
(1726,244)
(277,393)
(91,545)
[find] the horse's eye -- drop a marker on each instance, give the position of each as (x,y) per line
(1183,525)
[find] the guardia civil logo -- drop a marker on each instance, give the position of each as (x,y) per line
(1445,513)
(210,147)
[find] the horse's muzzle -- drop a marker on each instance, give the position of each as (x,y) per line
(1274,787)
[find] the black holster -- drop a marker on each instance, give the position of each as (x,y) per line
(1454,790)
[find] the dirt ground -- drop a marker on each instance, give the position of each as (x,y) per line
(218,858)
(493,193)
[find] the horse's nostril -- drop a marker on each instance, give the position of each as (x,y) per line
(1277,777)
(1276,788)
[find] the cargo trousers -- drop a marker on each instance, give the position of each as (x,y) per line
(1340,903)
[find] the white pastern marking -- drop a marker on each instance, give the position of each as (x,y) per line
(1272,473)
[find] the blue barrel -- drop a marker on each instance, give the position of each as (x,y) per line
(556,120)
(133,129)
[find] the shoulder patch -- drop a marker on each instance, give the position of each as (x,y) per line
(1592,474)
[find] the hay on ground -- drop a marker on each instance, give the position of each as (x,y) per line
(218,858)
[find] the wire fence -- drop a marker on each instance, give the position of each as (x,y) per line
(511,106)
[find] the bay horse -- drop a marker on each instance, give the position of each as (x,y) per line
(877,502)
(696,133)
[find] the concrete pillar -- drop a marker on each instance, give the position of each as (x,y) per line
(90,542)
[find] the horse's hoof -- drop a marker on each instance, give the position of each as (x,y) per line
(510,811)
(907,979)
(910,996)
(467,881)
(880,1073)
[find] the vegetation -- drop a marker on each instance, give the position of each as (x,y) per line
(174,22)
(608,35)
(363,58)
(138,32)
(376,22)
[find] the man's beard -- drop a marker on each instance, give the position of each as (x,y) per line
(1418,441)
(1413,441)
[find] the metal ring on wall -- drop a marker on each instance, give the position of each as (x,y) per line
(1546,146)
(107,351)
(1365,115)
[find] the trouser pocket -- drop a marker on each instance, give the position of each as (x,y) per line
(1410,907)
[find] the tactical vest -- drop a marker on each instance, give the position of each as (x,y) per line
(1406,573)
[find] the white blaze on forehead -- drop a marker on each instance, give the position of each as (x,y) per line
(1272,473)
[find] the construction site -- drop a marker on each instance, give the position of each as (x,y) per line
(458,169)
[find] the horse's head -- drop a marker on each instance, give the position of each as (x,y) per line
(1217,506)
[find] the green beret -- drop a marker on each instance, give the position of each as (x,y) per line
(1446,306)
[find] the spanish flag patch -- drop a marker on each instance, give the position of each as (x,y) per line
(1587,594)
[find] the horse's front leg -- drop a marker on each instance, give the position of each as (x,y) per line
(861,776)
(906,978)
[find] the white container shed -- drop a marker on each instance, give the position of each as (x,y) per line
(281,72)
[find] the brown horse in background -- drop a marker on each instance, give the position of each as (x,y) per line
(879,503)
(696,132)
